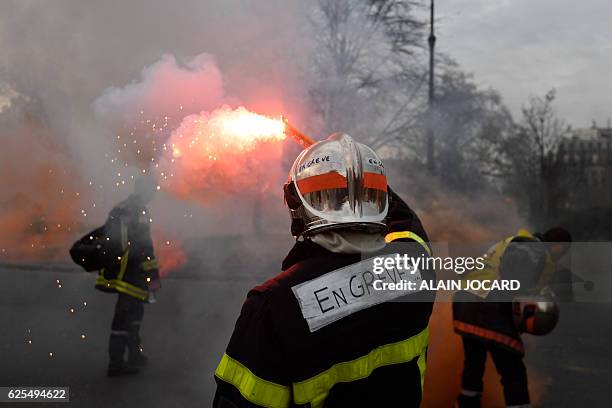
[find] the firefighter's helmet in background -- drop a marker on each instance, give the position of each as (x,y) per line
(537,314)
(337,183)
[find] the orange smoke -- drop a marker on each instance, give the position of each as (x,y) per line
(168,253)
(445,364)
(39,200)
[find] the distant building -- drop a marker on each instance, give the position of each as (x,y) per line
(585,160)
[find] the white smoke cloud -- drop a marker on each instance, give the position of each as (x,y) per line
(166,88)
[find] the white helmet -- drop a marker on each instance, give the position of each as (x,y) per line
(337,183)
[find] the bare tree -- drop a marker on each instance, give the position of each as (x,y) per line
(532,169)
(366,76)
(470,124)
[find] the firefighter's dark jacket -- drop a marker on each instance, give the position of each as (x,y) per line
(135,272)
(372,358)
(403,223)
(490,319)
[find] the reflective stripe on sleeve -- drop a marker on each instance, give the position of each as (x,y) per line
(470,393)
(122,287)
(392,236)
(131,290)
(149,265)
(314,390)
(252,388)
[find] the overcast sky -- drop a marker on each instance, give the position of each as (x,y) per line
(525,47)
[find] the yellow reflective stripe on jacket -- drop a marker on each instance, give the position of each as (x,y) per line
(119,284)
(131,290)
(422,363)
(314,390)
(123,265)
(254,389)
(493,260)
(392,236)
(122,287)
(149,265)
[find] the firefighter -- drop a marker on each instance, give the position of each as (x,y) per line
(492,322)
(135,276)
(300,342)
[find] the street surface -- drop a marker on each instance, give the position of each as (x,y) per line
(185,334)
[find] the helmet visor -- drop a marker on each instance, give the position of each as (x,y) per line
(326,192)
(373,194)
(329,193)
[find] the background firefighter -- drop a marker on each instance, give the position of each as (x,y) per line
(135,277)
(282,353)
(487,322)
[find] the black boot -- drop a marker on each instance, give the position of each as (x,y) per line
(121,370)
(136,357)
(116,348)
(464,401)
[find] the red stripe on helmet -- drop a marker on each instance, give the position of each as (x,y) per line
(322,182)
(375,181)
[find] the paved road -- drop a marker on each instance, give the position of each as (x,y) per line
(186,332)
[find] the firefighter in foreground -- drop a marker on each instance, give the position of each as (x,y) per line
(135,276)
(493,321)
(316,335)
